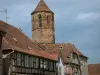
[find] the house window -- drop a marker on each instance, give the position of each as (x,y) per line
(74,56)
(45,64)
(41,63)
(13,56)
(31,62)
(18,59)
(37,62)
(40,20)
(54,66)
(51,66)
(23,70)
(13,68)
(13,62)
(22,58)
(34,62)
(26,61)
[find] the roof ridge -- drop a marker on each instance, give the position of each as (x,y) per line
(6,23)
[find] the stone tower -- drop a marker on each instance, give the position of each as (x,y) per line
(43,24)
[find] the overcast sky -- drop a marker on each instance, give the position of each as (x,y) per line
(76,21)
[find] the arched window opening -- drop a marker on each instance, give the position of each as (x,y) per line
(40,21)
(47,19)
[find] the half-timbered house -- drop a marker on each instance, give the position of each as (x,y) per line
(21,56)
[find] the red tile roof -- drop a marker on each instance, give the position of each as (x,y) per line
(67,49)
(17,38)
(42,6)
(94,69)
(20,42)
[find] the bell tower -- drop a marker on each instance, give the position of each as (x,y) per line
(43,24)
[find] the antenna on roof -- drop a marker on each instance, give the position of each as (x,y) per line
(6,12)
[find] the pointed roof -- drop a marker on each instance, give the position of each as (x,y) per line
(42,6)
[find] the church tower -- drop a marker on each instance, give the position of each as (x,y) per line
(43,24)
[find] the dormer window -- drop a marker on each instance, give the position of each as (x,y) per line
(68,56)
(74,56)
(15,39)
(40,20)
(29,48)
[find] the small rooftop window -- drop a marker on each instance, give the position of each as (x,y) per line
(68,56)
(61,47)
(15,39)
(29,48)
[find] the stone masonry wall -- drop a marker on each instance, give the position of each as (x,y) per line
(44,34)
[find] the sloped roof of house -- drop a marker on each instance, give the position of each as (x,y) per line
(67,49)
(21,42)
(16,39)
(94,69)
(42,6)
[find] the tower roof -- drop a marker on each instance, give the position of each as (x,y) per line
(42,6)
